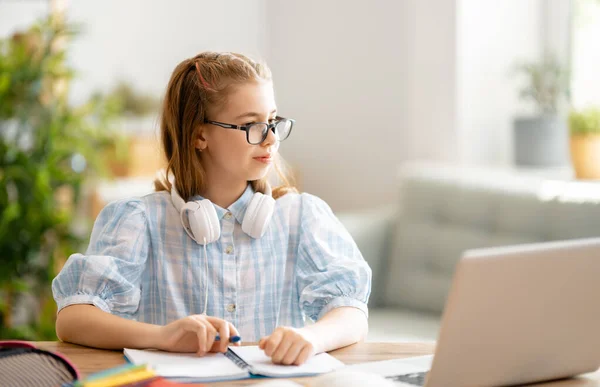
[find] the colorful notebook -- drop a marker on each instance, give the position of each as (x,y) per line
(236,363)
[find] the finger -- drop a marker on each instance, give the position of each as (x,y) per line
(293,352)
(273,342)
(261,343)
(225,334)
(234,332)
(223,329)
(200,330)
(216,347)
(203,334)
(211,333)
(190,325)
(233,329)
(306,352)
(286,343)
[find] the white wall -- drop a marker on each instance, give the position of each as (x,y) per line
(371,85)
(376,83)
(557,22)
(18,15)
(143,41)
(492,38)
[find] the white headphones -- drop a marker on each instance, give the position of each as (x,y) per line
(203,226)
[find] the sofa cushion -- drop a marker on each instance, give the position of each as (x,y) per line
(447,210)
(372,230)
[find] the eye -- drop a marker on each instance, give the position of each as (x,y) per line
(272,120)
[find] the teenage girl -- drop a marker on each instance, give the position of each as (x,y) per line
(216,251)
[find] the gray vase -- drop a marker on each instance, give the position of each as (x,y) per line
(541,141)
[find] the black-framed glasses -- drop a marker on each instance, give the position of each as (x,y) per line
(257,132)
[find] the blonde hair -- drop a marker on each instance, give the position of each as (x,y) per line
(197,85)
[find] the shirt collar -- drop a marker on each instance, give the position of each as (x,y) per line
(237,208)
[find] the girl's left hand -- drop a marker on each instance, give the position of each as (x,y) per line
(287,345)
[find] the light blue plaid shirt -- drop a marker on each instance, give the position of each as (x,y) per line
(141,265)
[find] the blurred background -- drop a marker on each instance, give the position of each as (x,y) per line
(382,92)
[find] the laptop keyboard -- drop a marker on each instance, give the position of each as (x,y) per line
(416,379)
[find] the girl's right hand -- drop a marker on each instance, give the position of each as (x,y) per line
(196,333)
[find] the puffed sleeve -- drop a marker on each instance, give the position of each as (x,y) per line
(109,274)
(330,271)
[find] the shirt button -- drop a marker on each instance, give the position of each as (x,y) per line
(227,216)
(228,250)
(231,308)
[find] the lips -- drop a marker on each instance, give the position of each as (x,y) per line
(264,158)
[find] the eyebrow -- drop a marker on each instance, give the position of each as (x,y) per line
(252,114)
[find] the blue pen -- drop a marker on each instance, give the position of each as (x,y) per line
(232,339)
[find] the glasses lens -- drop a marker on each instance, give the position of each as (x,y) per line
(283,129)
(257,133)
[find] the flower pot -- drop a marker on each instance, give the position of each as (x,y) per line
(541,141)
(585,154)
(140,153)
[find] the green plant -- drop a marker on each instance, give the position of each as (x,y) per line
(548,84)
(133,102)
(585,122)
(47,150)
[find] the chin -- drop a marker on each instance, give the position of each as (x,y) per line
(258,174)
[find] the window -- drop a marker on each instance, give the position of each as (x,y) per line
(585,60)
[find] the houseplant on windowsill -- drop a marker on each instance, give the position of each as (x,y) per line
(584,126)
(541,140)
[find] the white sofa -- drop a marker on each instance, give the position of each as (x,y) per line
(443,210)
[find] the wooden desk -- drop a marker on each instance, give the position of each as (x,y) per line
(89,360)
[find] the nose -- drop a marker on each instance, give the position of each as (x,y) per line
(271,139)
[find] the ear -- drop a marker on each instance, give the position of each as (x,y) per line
(200,142)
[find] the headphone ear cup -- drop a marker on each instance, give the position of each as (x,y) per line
(258,215)
(204,223)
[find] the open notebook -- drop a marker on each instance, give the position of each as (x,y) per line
(236,363)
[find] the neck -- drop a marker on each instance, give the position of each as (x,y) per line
(224,193)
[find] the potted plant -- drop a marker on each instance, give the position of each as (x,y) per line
(137,121)
(585,142)
(48,148)
(541,140)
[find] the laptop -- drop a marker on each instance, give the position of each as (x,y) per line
(514,315)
